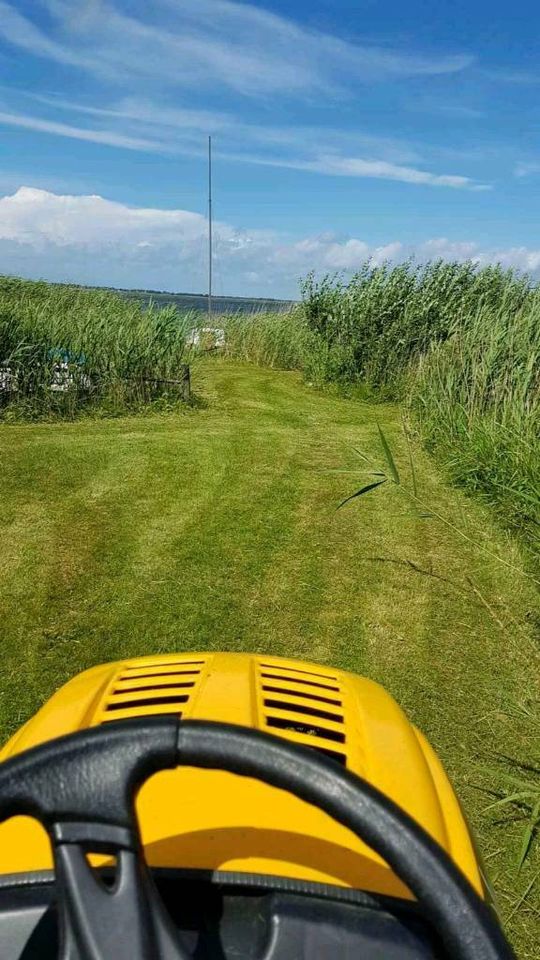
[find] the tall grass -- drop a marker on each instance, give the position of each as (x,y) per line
(63,349)
(476,400)
(280,339)
(459,345)
(386,317)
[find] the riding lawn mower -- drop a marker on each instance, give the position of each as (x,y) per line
(231,806)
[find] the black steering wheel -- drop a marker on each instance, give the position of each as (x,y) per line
(82,788)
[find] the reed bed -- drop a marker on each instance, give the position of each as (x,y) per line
(476,400)
(458,345)
(64,350)
(386,317)
(281,340)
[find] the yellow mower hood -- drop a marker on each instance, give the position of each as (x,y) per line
(218,821)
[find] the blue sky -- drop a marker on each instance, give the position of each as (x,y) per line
(342,129)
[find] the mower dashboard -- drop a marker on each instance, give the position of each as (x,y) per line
(234,921)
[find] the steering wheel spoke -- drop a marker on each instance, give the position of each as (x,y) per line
(128,910)
(93,916)
(82,789)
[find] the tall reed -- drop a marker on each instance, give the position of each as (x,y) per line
(476,399)
(268,339)
(65,348)
(387,316)
(459,345)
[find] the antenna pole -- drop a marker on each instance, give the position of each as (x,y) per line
(210,228)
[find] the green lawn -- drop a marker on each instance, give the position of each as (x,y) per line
(217,529)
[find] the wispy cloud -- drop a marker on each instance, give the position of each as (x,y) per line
(106,137)
(148,53)
(89,239)
(314,150)
(175,124)
(343,166)
(381,170)
(198,43)
(153,114)
(21,32)
(437,106)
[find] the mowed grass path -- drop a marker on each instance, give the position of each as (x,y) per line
(217,529)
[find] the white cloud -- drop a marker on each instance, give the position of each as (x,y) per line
(198,43)
(449,249)
(89,239)
(41,217)
(518,258)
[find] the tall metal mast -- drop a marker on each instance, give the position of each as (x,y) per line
(209,228)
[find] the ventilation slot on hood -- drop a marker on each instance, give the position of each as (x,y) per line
(305,683)
(304,706)
(295,670)
(268,688)
(149,689)
(305,711)
(307,729)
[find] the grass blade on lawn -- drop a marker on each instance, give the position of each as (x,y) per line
(360,493)
(389,457)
